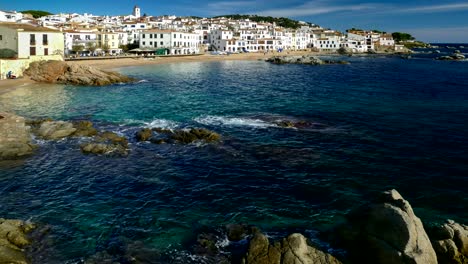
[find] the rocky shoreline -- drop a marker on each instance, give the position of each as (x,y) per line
(305,59)
(383,231)
(59,72)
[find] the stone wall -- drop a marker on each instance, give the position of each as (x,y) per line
(17,66)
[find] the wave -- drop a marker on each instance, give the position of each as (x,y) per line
(233,121)
(162,123)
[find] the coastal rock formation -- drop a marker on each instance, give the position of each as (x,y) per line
(62,73)
(84,129)
(106,143)
(183,136)
(450,242)
(291,250)
(305,59)
(13,239)
(52,130)
(453,57)
(387,231)
(15,139)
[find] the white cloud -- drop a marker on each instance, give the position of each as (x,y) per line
(437,8)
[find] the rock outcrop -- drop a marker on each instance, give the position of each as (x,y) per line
(84,129)
(305,59)
(15,137)
(291,250)
(53,130)
(62,73)
(182,136)
(387,232)
(450,242)
(453,57)
(106,143)
(13,240)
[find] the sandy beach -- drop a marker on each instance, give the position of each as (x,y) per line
(138,61)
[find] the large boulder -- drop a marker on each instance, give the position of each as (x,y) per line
(15,137)
(62,73)
(291,250)
(388,232)
(144,135)
(450,242)
(13,240)
(195,134)
(52,130)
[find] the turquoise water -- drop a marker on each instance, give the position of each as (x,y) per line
(375,124)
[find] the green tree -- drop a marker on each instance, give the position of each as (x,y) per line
(36,13)
(77,48)
(401,37)
(91,46)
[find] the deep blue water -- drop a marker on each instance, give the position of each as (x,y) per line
(378,123)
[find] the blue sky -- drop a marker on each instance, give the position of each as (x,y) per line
(428,20)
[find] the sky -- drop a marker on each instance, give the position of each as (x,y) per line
(442,21)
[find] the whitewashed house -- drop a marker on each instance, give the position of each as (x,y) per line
(10,16)
(27,40)
(177,43)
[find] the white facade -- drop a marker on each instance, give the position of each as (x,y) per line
(10,16)
(136,12)
(74,38)
(178,43)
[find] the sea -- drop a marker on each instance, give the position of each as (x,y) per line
(379,123)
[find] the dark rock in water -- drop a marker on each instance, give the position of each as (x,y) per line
(161,130)
(106,143)
(13,240)
(144,134)
(194,134)
(305,59)
(236,232)
(84,129)
(291,250)
(456,51)
(453,57)
(293,124)
(386,231)
(62,73)
(15,137)
(436,51)
(450,242)
(158,141)
(206,245)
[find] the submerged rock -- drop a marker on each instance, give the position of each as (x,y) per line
(62,73)
(13,240)
(15,137)
(387,231)
(450,242)
(453,57)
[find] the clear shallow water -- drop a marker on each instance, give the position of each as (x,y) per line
(379,123)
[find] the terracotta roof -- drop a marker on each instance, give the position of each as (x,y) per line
(28,27)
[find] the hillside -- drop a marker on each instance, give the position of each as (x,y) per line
(36,13)
(280,21)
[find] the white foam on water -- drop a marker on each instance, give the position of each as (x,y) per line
(162,123)
(233,121)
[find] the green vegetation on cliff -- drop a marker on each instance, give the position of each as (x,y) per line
(36,13)
(280,21)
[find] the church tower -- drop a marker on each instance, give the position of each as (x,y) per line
(136,11)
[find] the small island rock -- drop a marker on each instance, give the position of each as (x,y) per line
(15,139)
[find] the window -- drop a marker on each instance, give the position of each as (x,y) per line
(1,37)
(151,35)
(46,51)
(32,51)
(161,36)
(32,39)
(143,35)
(162,43)
(151,43)
(45,41)
(143,43)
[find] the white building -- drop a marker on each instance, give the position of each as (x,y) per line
(86,39)
(27,40)
(10,16)
(177,43)
(136,11)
